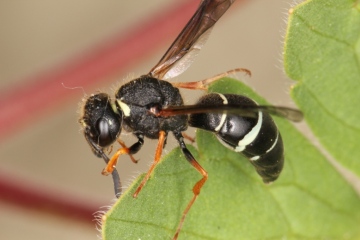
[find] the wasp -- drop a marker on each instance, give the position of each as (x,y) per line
(152,107)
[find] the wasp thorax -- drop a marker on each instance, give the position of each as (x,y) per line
(141,99)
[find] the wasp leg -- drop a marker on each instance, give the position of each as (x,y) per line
(116,178)
(197,187)
(188,137)
(130,154)
(159,148)
(203,84)
(131,150)
(100,153)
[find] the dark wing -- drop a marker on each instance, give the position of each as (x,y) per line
(187,45)
(244,110)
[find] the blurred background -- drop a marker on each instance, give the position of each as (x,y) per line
(53,52)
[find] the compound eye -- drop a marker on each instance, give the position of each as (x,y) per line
(105,137)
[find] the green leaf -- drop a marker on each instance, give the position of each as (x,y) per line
(322,52)
(310,200)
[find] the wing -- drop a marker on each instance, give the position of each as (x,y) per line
(187,45)
(244,110)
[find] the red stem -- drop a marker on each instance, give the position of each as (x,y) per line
(21,193)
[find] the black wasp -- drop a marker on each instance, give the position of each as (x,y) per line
(151,107)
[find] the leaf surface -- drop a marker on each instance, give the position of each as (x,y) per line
(322,52)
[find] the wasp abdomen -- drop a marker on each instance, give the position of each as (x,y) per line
(255,136)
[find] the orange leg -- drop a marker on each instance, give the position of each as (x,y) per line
(113,160)
(130,155)
(124,150)
(196,190)
(159,148)
(188,137)
(197,187)
(203,84)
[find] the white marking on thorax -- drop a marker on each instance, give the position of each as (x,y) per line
(224,115)
(254,158)
(125,108)
(113,106)
(277,137)
(250,137)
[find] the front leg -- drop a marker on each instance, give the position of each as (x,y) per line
(124,150)
(98,151)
